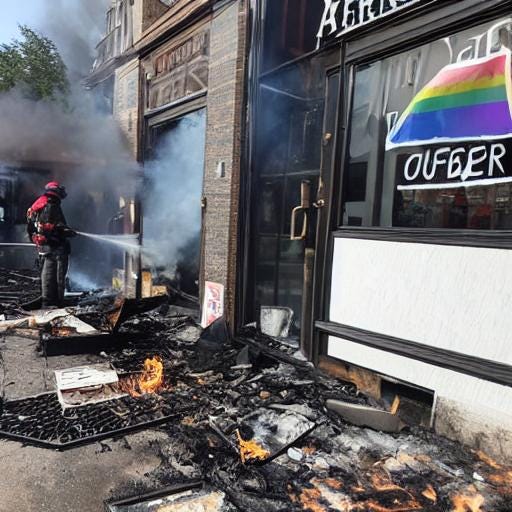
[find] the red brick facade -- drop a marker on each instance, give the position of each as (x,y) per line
(223,142)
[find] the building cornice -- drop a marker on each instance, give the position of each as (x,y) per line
(182,14)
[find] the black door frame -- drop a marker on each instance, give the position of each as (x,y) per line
(246,227)
(329,176)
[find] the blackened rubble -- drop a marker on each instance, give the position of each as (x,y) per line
(221,392)
(336,466)
(18,287)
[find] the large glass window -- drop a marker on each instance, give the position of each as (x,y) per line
(431,135)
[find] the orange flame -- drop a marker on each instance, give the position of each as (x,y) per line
(430,493)
(500,476)
(469,502)
(250,450)
(327,494)
(153,376)
(490,462)
(310,498)
(383,483)
(150,381)
(503,479)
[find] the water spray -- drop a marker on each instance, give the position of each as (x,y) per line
(130,243)
(15,244)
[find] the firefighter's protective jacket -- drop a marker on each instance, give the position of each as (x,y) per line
(46,226)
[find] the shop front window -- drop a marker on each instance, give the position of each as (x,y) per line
(431,135)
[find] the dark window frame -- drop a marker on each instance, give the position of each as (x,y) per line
(386,41)
(163,116)
(257,74)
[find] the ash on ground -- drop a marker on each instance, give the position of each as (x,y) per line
(332,466)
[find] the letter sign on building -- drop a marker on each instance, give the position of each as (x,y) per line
(342,16)
(178,71)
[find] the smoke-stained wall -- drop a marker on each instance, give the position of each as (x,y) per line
(126,103)
(152,10)
(207,58)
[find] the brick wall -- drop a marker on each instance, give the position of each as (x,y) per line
(126,99)
(223,145)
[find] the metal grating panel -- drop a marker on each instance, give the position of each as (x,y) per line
(39,420)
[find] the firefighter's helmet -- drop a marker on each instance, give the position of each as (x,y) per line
(55,188)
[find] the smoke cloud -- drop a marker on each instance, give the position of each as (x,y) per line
(172,206)
(81,146)
(41,131)
(86,151)
(76,27)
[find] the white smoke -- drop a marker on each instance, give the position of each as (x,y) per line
(81,145)
(76,27)
(84,147)
(172,206)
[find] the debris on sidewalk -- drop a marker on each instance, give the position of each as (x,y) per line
(263,434)
(250,422)
(193,497)
(104,315)
(85,385)
(276,321)
(18,287)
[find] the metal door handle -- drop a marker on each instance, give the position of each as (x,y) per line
(304,206)
(302,235)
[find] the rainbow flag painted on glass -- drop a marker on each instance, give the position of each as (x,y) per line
(464,102)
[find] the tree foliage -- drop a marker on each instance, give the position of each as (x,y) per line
(34,65)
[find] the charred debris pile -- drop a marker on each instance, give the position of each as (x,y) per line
(18,286)
(246,422)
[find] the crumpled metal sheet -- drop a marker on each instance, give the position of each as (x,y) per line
(190,500)
(125,308)
(272,430)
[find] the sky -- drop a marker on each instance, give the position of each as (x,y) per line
(14,12)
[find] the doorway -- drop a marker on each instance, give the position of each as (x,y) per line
(174,166)
(296,113)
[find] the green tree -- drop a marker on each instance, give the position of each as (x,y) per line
(33,64)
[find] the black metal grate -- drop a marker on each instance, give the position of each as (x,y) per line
(39,420)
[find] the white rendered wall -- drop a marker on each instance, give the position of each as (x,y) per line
(455,298)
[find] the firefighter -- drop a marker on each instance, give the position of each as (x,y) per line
(48,230)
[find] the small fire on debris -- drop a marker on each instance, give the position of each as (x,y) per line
(471,501)
(151,380)
(430,493)
(498,475)
(327,494)
(250,450)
